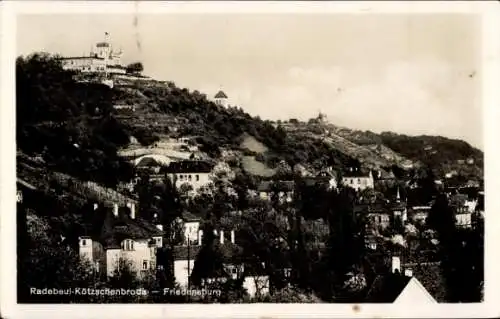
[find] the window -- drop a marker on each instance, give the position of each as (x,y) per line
(189,177)
(197,178)
(84,242)
(153,265)
(144,265)
(128,244)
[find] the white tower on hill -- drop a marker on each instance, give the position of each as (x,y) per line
(221,99)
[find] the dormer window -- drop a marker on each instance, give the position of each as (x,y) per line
(128,244)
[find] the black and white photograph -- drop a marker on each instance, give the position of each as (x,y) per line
(248,158)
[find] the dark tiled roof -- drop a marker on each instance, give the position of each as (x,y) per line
(268,186)
(189,217)
(148,162)
(221,95)
(311,181)
(355,173)
(386,175)
(25,184)
(386,288)
(458,200)
(326,173)
(189,167)
(115,230)
(398,206)
(430,276)
(371,208)
(82,57)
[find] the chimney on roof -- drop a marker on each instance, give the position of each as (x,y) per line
(132,209)
(200,236)
(115,209)
(396,264)
(232,236)
(221,237)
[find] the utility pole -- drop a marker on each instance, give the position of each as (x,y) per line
(189,266)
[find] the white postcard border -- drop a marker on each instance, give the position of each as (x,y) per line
(490,12)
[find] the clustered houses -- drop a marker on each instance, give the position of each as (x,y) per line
(284,190)
(115,235)
(233,265)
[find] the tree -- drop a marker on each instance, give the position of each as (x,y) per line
(442,218)
(125,277)
(292,295)
(208,262)
(461,253)
(346,243)
(48,262)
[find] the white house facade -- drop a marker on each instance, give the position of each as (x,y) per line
(196,174)
(126,239)
(354,179)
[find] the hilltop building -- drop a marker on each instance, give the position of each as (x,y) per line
(103,59)
(221,99)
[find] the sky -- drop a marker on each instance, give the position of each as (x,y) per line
(411,74)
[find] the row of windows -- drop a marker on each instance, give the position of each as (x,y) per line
(128,244)
(189,177)
(381,218)
(358,181)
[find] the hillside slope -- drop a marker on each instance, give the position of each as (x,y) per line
(75,129)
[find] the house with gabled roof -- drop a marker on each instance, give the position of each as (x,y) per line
(357,179)
(119,235)
(406,284)
(232,265)
(399,289)
(463,210)
(195,173)
(284,190)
